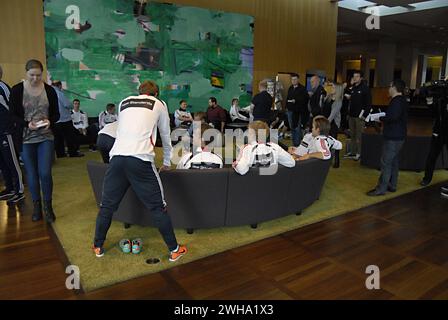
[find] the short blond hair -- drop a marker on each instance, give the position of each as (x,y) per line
(263,84)
(258,128)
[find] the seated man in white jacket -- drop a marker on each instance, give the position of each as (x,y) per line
(235,112)
(202,157)
(318,143)
(260,153)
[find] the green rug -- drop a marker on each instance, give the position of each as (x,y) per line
(76,212)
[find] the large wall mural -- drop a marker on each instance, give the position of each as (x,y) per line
(101,50)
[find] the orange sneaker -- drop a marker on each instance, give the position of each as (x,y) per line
(175,255)
(99,252)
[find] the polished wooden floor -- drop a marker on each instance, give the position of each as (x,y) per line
(406,237)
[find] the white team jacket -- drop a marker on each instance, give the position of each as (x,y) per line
(262,155)
(139,118)
(322,144)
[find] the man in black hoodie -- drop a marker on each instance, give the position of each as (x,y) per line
(317,97)
(297,108)
(394,134)
(437,101)
(360,105)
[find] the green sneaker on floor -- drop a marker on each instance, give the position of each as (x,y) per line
(125,245)
(137,246)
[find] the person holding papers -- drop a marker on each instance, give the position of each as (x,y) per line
(394,134)
(360,105)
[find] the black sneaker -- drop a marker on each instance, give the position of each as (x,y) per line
(16,198)
(375,193)
(444,194)
(390,189)
(349,155)
(444,189)
(6,195)
(77,155)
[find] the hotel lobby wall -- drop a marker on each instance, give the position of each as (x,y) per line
(290,35)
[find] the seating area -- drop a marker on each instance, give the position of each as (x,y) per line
(233,200)
(412,157)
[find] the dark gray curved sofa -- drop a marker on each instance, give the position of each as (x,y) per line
(199,199)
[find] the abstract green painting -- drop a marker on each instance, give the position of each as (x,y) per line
(102,50)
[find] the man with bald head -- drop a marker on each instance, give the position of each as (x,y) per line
(317,97)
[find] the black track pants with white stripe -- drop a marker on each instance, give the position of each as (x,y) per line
(126,171)
(9,165)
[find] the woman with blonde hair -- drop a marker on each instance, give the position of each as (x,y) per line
(332,111)
(34,105)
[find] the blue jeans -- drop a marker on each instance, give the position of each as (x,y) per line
(37,158)
(295,131)
(389,165)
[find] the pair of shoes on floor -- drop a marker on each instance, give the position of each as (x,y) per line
(175,255)
(444,192)
(11,197)
(134,246)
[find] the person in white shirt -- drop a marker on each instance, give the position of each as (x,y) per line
(237,113)
(259,153)
(79,118)
(84,133)
(107,116)
(106,139)
(318,143)
(132,164)
(201,158)
(181,116)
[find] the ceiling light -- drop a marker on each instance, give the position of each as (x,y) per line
(381,10)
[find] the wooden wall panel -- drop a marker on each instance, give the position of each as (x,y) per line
(290,35)
(22,36)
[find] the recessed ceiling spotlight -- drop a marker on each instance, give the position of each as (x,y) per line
(363,6)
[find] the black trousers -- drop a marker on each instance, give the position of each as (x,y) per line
(104,144)
(64,135)
(334,133)
(89,138)
(9,165)
(437,144)
(144,179)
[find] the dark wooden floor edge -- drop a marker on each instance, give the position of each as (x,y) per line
(439,184)
(62,255)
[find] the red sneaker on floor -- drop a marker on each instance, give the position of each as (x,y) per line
(181,251)
(99,252)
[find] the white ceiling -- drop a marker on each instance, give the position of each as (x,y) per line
(391,7)
(420,28)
